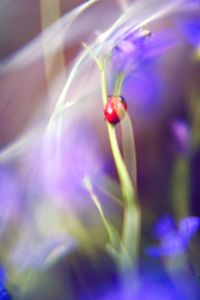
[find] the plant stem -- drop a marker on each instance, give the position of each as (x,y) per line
(130,236)
(109,228)
(180,187)
(118,84)
(131,222)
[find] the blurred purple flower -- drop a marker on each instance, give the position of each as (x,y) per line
(143,94)
(173,240)
(191,29)
(181,132)
(10,197)
(145,292)
(138,47)
(189,226)
(4,295)
(165,226)
(154,284)
(62,164)
(77,159)
(2,276)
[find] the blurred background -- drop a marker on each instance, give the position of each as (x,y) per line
(53,135)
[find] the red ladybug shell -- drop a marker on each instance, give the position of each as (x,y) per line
(115,109)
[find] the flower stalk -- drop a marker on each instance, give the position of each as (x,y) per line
(130,235)
(131,221)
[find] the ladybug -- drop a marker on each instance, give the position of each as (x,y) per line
(115,109)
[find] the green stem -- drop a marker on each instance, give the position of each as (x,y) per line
(126,184)
(131,223)
(180,187)
(118,84)
(113,238)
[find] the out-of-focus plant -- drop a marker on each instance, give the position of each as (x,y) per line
(174,239)
(61,170)
(133,47)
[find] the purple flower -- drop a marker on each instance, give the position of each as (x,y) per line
(4,295)
(181,132)
(63,163)
(137,47)
(154,284)
(2,275)
(173,240)
(191,29)
(188,227)
(165,226)
(143,94)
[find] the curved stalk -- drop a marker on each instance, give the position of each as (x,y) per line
(130,236)
(131,222)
